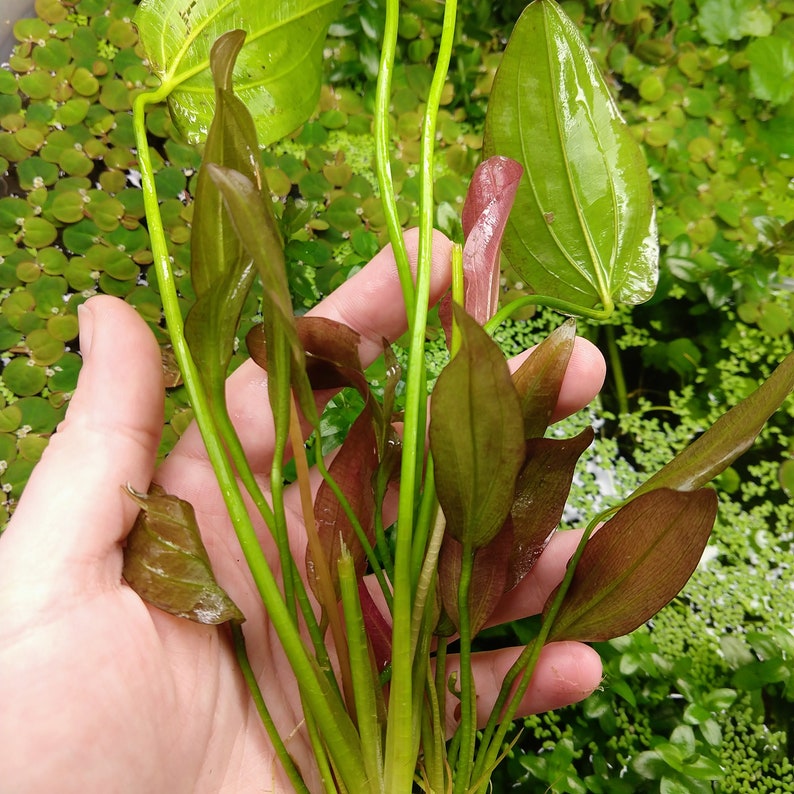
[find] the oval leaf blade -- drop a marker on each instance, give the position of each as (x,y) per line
(283,49)
(476,436)
(165,561)
(583,226)
(635,564)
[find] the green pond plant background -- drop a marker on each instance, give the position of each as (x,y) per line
(701,699)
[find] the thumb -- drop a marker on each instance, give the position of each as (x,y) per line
(73,514)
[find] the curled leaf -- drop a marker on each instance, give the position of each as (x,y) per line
(635,564)
(489,198)
(165,561)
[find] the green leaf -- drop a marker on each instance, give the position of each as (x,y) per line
(635,564)
(731,435)
(255,224)
(583,227)
(222,271)
(476,436)
(277,75)
(165,561)
(771,69)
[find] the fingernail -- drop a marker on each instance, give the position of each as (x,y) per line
(85,320)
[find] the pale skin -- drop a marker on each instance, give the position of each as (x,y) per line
(102,693)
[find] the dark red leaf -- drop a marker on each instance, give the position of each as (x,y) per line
(352,470)
(541,492)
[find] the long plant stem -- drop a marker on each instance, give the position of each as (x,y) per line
(566,307)
(401,744)
(333,721)
(468,698)
(241,653)
(510,696)
(382,146)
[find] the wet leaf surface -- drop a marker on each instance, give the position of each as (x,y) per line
(165,561)
(635,564)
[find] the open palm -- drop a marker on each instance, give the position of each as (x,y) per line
(102,693)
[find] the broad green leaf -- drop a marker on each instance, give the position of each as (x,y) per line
(221,269)
(772,69)
(165,561)
(539,378)
(583,226)
(730,436)
(635,564)
(277,75)
(476,436)
(541,493)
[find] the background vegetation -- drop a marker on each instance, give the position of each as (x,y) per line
(700,700)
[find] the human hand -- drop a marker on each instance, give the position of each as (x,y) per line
(102,693)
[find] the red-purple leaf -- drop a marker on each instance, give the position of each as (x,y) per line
(352,470)
(378,628)
(541,492)
(331,349)
(166,563)
(539,378)
(476,436)
(635,564)
(487,580)
(485,211)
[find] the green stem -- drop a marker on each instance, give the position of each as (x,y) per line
(246,475)
(458,295)
(332,720)
(364,683)
(566,307)
(401,744)
(468,698)
(256,693)
(616,368)
(382,147)
(504,710)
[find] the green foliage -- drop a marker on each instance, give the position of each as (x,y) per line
(706,87)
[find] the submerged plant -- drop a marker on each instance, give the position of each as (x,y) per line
(477,509)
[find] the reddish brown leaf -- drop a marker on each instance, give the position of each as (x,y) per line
(476,436)
(541,492)
(635,564)
(487,581)
(539,378)
(352,470)
(166,563)
(378,628)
